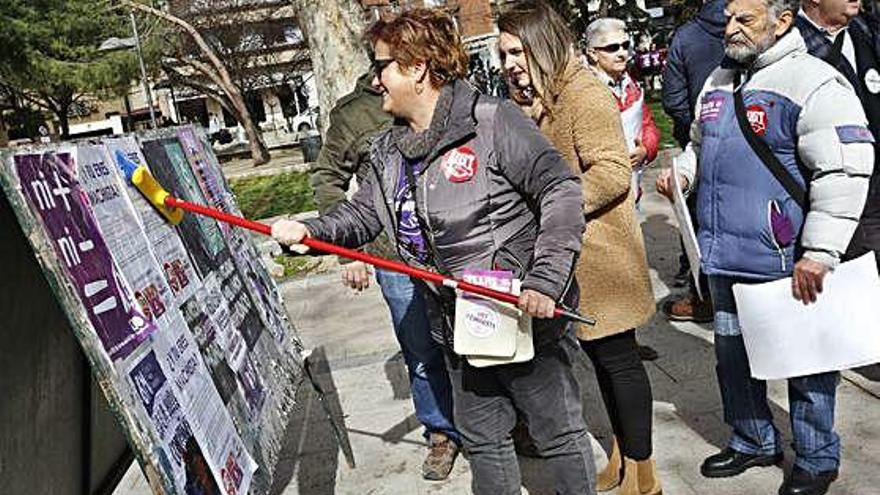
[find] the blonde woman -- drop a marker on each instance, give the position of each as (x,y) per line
(580,117)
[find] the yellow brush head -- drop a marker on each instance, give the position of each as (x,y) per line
(155,194)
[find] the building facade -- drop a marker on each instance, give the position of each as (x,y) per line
(265,52)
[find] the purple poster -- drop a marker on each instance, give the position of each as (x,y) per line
(207,176)
(52,190)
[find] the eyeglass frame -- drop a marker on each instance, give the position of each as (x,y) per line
(379,65)
(616,47)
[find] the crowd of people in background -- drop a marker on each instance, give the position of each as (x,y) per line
(534,169)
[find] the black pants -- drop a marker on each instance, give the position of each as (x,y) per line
(626,391)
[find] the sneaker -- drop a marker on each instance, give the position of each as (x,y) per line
(690,308)
(441,457)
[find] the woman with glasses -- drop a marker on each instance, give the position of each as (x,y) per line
(467,182)
(607,53)
(578,114)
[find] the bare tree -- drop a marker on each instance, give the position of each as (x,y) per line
(259,41)
(217,80)
(334,30)
(222,54)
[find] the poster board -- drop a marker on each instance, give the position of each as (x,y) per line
(182,326)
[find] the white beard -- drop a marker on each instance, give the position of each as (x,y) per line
(747,55)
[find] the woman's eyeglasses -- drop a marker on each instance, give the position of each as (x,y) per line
(613,47)
(379,65)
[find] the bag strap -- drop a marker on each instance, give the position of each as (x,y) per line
(760,147)
(835,51)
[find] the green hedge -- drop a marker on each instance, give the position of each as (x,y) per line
(664,123)
(270,196)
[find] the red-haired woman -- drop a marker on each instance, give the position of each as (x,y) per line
(467,182)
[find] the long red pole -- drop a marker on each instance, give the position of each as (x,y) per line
(376,261)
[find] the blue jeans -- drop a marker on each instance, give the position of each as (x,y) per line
(811,398)
(429,382)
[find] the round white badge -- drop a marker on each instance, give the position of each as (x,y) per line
(481,321)
(872,81)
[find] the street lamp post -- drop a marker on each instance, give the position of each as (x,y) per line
(140,54)
(113,44)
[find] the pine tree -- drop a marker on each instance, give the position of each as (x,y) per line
(54,61)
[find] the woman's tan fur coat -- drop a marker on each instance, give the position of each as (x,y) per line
(583,122)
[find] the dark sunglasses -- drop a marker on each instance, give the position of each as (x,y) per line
(379,66)
(613,47)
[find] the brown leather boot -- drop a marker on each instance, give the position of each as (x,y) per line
(649,482)
(609,478)
(441,457)
(629,485)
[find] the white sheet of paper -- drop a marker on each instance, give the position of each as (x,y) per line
(841,330)
(484,326)
(688,236)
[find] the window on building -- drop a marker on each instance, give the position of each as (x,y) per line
(250,41)
(286,97)
(254,102)
(228,118)
(293,35)
(194,110)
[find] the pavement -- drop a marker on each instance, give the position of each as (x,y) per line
(360,367)
(283,160)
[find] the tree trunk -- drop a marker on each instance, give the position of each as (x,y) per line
(63,122)
(334,31)
(4,134)
(259,151)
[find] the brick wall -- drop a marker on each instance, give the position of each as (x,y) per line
(474,16)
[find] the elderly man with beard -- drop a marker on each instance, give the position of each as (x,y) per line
(800,116)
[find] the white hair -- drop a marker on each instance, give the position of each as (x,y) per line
(601,27)
(777,7)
